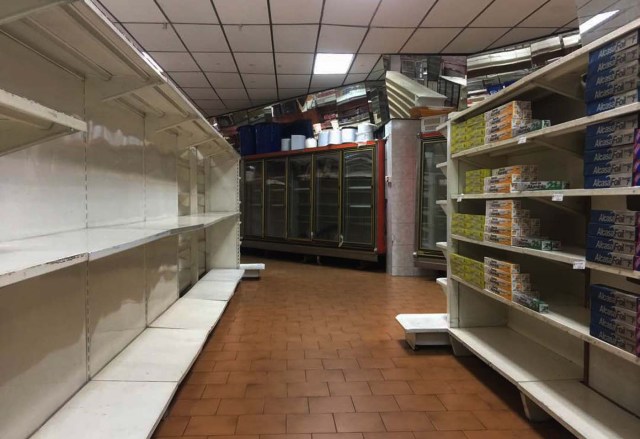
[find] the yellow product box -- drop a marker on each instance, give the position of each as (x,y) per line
(497,239)
(514,108)
(474,188)
(476,234)
(478,173)
(474,221)
(497,188)
(508,267)
(458,219)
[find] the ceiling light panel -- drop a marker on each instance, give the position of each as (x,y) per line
(202,37)
(430,40)
(298,63)
(293,81)
(253,80)
(506,13)
(327,81)
(332,63)
(225,80)
(254,62)
(189,79)
(340,39)
(140,11)
(188,11)
(364,63)
(385,40)
(295,38)
(556,13)
(175,61)
(407,14)
(522,34)
(231,93)
(155,37)
(215,62)
(200,93)
(474,40)
(242,11)
(295,11)
(249,38)
(350,12)
(454,13)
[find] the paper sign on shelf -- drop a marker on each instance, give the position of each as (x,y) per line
(460,197)
(579,265)
(522,140)
(557,197)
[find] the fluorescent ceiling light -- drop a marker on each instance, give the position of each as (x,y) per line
(152,62)
(596,20)
(332,63)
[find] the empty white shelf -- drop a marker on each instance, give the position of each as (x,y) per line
(442,246)
(110,409)
(186,223)
(218,274)
(423,323)
(515,356)
(442,281)
(191,314)
(585,413)
(156,355)
(252,271)
(213,290)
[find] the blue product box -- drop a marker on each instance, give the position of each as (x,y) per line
(626,262)
(615,338)
(613,296)
(612,231)
(608,181)
(627,153)
(622,217)
(611,102)
(613,245)
(602,309)
(610,57)
(617,72)
(610,127)
(609,315)
(612,88)
(622,43)
(616,138)
(608,168)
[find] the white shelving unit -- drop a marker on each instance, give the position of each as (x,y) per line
(562,371)
(113,185)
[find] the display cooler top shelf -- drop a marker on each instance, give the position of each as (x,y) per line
(309,150)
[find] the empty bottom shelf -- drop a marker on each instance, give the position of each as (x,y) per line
(191,314)
(423,323)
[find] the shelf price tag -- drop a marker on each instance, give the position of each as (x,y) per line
(460,197)
(557,197)
(579,265)
(522,140)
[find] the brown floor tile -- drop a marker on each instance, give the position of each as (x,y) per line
(337,436)
(354,353)
(331,404)
(501,420)
(275,390)
(311,363)
(172,426)
(327,376)
(322,354)
(269,365)
(190,391)
(430,387)
(287,355)
(406,421)
(286,436)
(236,436)
(232,365)
(286,405)
(211,425)
(208,378)
(358,422)
(390,388)
(349,389)
(308,389)
(375,363)
(419,403)
(390,435)
(246,377)
(362,375)
(341,363)
(195,407)
(455,421)
(440,434)
(224,391)
(310,423)
(400,374)
(375,403)
(253,355)
(261,424)
(241,406)
(454,401)
(286,376)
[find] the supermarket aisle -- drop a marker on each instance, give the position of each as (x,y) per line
(310,349)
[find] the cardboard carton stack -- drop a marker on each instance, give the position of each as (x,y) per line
(506,280)
(615,317)
(470,226)
(613,238)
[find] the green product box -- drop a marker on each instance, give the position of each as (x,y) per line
(539,185)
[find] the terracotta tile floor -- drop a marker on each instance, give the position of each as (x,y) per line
(314,352)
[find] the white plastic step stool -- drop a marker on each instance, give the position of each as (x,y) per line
(252,271)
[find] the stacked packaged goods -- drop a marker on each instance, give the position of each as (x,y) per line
(506,280)
(502,180)
(613,239)
(615,317)
(468,269)
(470,226)
(612,154)
(474,180)
(467,134)
(613,75)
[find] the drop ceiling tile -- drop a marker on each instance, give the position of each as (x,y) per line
(225,80)
(327,81)
(175,61)
(521,34)
(301,63)
(140,11)
(200,92)
(340,39)
(237,104)
(506,13)
(295,38)
(189,79)
(249,38)
(356,77)
(385,40)
(474,40)
(454,13)
(295,11)
(293,81)
(188,11)
(376,75)
(155,37)
(556,13)
(286,93)
(254,62)
(209,103)
(242,11)
(409,14)
(364,63)
(252,80)
(263,94)
(430,40)
(215,62)
(231,93)
(202,37)
(351,12)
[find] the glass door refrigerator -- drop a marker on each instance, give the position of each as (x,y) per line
(275,183)
(431,221)
(358,198)
(299,220)
(327,197)
(253,199)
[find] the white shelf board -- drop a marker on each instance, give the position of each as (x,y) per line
(568,257)
(185,223)
(441,202)
(213,290)
(423,323)
(572,319)
(607,192)
(581,410)
(613,270)
(156,355)
(110,409)
(516,357)
(441,165)
(191,314)
(218,274)
(442,246)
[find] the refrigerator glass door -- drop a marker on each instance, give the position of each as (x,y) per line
(327,197)
(275,198)
(358,198)
(299,225)
(433,220)
(253,173)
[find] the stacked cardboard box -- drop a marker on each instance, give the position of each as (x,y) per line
(467,134)
(615,317)
(502,180)
(474,180)
(506,280)
(468,269)
(613,75)
(507,121)
(612,154)
(470,226)
(613,239)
